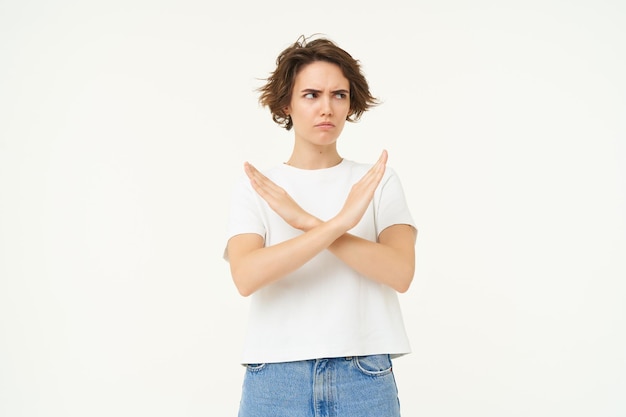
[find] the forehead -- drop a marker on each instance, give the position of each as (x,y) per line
(320,75)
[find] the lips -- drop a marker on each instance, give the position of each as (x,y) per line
(325,125)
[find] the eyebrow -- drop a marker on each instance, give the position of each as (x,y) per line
(312,90)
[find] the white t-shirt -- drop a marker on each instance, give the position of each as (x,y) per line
(325,308)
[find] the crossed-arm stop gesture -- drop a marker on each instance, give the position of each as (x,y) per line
(353,209)
(253,265)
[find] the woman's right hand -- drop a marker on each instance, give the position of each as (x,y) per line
(279,200)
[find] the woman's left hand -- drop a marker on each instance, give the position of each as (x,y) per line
(279,200)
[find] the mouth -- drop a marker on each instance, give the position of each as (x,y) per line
(325,125)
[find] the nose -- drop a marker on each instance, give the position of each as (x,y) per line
(327,108)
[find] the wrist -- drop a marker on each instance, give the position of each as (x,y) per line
(309,223)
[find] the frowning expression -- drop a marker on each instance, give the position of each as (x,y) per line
(320,103)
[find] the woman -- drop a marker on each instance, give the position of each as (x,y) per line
(322,245)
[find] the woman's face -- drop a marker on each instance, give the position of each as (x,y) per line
(320,103)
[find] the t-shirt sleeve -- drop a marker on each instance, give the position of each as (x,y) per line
(245,214)
(391,208)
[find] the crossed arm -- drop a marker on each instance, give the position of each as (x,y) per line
(390,261)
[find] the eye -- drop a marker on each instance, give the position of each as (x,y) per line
(310,95)
(341,95)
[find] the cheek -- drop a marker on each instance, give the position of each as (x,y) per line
(346,109)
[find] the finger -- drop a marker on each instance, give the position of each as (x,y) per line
(251,171)
(255,175)
(375,173)
(265,187)
(384,156)
(370,181)
(382,160)
(256,178)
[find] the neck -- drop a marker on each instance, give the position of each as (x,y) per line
(314,158)
(313,162)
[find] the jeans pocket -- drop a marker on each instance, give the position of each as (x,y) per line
(374,365)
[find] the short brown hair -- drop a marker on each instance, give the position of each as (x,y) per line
(276,93)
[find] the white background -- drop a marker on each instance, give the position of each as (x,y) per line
(123,125)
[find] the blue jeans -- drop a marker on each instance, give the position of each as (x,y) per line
(361,386)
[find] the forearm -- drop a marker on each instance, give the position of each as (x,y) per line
(253,266)
(264,265)
(391,266)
